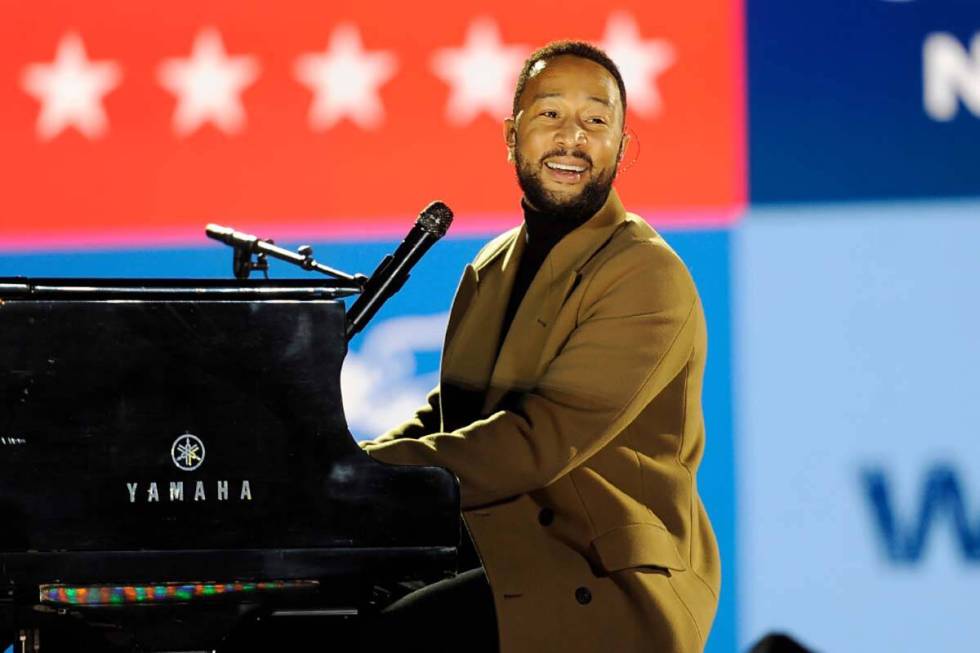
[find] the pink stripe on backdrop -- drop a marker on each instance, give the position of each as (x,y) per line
(739,108)
(471,226)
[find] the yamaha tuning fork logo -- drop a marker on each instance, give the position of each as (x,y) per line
(187,452)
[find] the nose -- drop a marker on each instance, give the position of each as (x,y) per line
(570,134)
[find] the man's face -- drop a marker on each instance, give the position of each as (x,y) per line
(567,137)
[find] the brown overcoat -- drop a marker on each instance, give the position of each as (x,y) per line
(577,446)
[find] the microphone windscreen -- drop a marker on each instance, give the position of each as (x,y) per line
(435,219)
(217,232)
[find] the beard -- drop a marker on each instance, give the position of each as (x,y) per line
(576,208)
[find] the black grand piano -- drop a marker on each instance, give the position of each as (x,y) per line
(176,469)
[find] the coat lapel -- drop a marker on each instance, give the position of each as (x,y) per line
(475,319)
(517,366)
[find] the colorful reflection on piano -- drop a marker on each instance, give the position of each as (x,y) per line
(102,595)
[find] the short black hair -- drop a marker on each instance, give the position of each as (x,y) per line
(581,49)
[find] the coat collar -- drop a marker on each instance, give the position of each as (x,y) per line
(571,253)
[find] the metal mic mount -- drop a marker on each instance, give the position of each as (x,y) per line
(251,254)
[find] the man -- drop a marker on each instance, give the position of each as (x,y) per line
(570,400)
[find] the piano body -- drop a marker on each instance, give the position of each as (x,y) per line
(175,464)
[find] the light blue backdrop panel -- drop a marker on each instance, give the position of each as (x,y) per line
(396,359)
(857,331)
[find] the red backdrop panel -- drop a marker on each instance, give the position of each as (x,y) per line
(141,176)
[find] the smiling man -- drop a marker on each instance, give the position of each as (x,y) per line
(569,404)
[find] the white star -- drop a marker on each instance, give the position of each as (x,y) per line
(482,73)
(345,80)
(640,62)
(70,90)
(208,85)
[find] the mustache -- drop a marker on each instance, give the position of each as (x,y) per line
(560,152)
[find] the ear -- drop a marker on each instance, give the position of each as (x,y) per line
(623,144)
(510,137)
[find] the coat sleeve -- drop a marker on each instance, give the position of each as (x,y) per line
(426,420)
(636,331)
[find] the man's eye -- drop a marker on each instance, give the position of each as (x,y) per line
(549,114)
(598,121)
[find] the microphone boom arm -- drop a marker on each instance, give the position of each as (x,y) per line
(246,246)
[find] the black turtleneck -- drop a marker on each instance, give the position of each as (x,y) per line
(543,231)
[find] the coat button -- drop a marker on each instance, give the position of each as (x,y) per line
(583,595)
(546,516)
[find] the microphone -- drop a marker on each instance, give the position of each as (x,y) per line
(392,272)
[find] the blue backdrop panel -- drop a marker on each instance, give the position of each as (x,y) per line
(836,106)
(857,425)
(396,359)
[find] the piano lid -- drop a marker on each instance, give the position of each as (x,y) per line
(24,288)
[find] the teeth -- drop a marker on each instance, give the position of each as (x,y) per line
(562,166)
